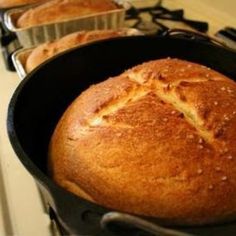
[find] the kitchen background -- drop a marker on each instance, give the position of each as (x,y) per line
(21,208)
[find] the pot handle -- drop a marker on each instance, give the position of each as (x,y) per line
(183,33)
(138,223)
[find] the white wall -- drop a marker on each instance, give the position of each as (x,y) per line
(228,6)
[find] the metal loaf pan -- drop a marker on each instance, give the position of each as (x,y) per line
(32,36)
(20,56)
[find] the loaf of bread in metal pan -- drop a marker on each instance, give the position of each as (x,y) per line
(48,50)
(14,3)
(60,10)
(158,140)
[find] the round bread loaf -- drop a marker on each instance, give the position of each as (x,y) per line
(159,140)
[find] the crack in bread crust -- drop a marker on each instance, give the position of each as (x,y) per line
(135,94)
(190,113)
(166,92)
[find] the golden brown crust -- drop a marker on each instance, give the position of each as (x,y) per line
(13,3)
(158,140)
(48,50)
(59,10)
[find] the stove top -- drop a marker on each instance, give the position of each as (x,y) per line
(159,18)
(151,20)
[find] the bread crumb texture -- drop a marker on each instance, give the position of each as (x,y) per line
(157,140)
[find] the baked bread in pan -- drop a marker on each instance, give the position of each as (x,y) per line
(48,50)
(158,140)
(60,10)
(13,3)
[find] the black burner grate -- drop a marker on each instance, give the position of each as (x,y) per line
(158,14)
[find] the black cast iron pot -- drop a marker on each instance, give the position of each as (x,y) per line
(43,96)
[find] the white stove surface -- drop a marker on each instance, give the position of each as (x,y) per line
(21,210)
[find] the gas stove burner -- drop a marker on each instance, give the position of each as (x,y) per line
(157,13)
(228,36)
(149,27)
